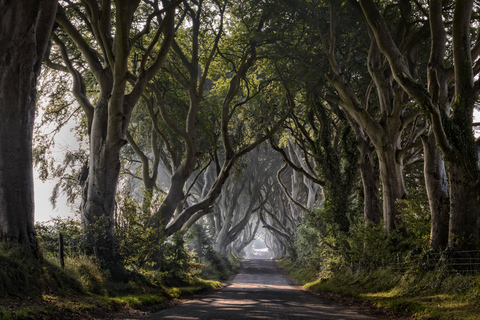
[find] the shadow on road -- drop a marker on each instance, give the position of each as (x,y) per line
(259,291)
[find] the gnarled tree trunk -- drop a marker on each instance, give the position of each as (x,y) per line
(25,28)
(393,185)
(453,130)
(437,191)
(464,210)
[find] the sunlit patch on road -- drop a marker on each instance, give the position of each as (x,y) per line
(260,291)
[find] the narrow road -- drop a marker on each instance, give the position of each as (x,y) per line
(259,291)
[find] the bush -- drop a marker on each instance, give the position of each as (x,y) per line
(415,220)
(307,247)
(145,254)
(138,240)
(48,236)
(213,264)
(319,243)
(88,272)
(175,260)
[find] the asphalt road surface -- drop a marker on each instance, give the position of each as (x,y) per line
(259,291)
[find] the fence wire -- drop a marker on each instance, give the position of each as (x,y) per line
(463,262)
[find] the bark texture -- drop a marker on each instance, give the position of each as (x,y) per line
(25,28)
(372,210)
(393,185)
(437,190)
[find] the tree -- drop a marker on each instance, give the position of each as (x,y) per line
(243,196)
(190,67)
(252,103)
(450,112)
(25,28)
(104,35)
(301,164)
(386,130)
(196,103)
(309,125)
(248,235)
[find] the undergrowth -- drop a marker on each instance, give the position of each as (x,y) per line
(21,273)
(435,294)
(32,288)
(155,269)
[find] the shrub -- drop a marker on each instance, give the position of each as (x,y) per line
(88,272)
(48,236)
(138,240)
(212,264)
(175,260)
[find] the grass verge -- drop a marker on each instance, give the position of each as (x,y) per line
(39,289)
(416,294)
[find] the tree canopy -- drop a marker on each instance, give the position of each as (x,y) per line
(319,122)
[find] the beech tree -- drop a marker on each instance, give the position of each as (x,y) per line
(386,130)
(82,46)
(302,174)
(103,34)
(243,196)
(314,126)
(252,103)
(25,28)
(247,236)
(450,112)
(196,108)
(279,223)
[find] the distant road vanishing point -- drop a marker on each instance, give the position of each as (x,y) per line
(259,291)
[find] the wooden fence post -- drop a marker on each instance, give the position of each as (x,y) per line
(61,251)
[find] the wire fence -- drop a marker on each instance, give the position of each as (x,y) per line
(463,262)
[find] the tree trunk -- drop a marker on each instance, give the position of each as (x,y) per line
(175,194)
(464,210)
(98,206)
(453,132)
(393,185)
(16,174)
(462,161)
(371,188)
(372,211)
(437,191)
(25,28)
(227,206)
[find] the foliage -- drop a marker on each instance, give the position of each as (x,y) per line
(415,218)
(434,294)
(320,245)
(85,269)
(48,235)
(88,272)
(213,264)
(307,248)
(83,287)
(371,246)
(142,249)
(175,261)
(33,288)
(138,236)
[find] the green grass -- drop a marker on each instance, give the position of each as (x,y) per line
(304,275)
(52,306)
(39,289)
(421,295)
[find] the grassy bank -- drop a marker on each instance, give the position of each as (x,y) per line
(40,289)
(439,294)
